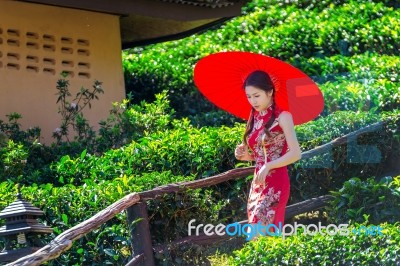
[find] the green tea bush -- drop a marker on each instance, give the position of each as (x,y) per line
(92,182)
(349,47)
(214,118)
(305,4)
(128,122)
(357,67)
(124,124)
(287,31)
(358,83)
(183,150)
(186,150)
(362,157)
(357,199)
(305,249)
(69,205)
(65,207)
(331,31)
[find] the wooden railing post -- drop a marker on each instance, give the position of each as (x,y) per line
(140,234)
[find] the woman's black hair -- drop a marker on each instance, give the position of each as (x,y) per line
(262,81)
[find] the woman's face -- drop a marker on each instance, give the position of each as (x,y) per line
(259,99)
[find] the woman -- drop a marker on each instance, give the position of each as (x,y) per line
(271,137)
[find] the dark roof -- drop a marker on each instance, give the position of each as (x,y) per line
(150,21)
(204,3)
(20,207)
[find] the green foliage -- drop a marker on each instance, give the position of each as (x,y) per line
(183,150)
(12,130)
(334,125)
(71,112)
(367,82)
(215,118)
(164,144)
(131,122)
(357,199)
(69,205)
(186,150)
(304,249)
(294,31)
(13,159)
(350,48)
(362,156)
(124,124)
(180,153)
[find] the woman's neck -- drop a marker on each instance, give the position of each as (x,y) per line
(266,109)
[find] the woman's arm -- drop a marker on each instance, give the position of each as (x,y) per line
(291,156)
(294,152)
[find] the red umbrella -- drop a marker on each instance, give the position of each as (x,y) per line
(220,78)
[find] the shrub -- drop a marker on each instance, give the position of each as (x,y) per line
(290,30)
(92,182)
(125,124)
(129,122)
(71,112)
(183,150)
(362,157)
(69,205)
(13,159)
(12,130)
(357,199)
(304,249)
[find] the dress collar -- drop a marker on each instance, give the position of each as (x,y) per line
(266,111)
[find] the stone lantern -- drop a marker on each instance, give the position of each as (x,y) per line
(22,229)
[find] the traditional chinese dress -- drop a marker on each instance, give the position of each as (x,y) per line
(267,202)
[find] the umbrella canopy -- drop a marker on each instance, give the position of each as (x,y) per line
(220,78)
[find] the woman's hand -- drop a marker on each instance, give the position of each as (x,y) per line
(242,153)
(259,179)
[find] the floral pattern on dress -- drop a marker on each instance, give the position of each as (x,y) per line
(264,198)
(265,210)
(274,145)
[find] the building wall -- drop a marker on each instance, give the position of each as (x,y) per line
(37,43)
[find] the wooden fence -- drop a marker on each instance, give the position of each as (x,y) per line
(135,204)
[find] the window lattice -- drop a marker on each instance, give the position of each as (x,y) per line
(36,52)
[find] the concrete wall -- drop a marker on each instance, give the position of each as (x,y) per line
(37,43)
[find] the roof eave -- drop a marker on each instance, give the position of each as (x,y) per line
(172,37)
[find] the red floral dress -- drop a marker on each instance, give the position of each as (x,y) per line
(267,202)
